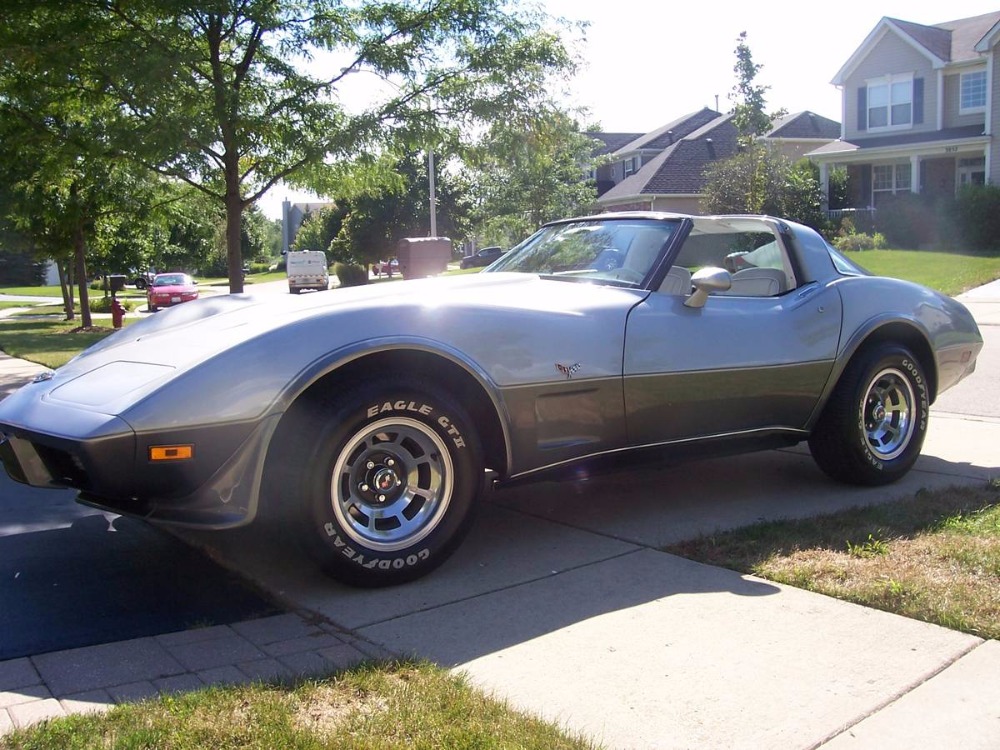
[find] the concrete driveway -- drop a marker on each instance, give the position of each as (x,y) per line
(562,602)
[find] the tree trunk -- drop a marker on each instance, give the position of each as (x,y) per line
(67,289)
(234,225)
(79,249)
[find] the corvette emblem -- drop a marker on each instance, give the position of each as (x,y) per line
(568,370)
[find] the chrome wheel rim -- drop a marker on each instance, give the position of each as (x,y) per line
(887,413)
(391,484)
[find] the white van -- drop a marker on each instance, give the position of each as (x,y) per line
(307,270)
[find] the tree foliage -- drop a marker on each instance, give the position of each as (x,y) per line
(749,116)
(374,222)
(524,173)
(758,180)
(218,94)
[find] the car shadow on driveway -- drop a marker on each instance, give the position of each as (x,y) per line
(606,533)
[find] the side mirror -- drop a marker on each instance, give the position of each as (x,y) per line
(706,281)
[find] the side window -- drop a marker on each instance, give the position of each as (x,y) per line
(756,259)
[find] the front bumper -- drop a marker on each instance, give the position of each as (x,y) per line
(218,488)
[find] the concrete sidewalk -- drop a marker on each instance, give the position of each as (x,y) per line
(562,602)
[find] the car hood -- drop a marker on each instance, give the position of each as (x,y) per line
(250,347)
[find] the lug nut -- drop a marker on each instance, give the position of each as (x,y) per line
(390,462)
(364,488)
(370,464)
(381,498)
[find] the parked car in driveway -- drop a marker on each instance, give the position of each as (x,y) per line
(483,258)
(367,417)
(169,289)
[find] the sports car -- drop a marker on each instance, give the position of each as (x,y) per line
(370,419)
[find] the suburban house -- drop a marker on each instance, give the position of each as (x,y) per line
(665,170)
(918,104)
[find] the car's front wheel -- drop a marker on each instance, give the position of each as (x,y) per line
(872,428)
(389,480)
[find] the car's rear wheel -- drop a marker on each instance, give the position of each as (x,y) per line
(388,482)
(872,429)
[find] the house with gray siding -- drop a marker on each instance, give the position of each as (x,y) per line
(919,105)
(665,170)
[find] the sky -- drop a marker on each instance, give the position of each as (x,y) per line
(647,62)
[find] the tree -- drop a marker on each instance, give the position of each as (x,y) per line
(373,222)
(749,116)
(523,173)
(758,180)
(319,228)
(216,94)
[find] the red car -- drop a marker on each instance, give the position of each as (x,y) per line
(170,289)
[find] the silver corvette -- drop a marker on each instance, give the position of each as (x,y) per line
(367,418)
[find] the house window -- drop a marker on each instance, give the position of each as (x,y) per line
(629,167)
(972,171)
(890,104)
(890,179)
(973,91)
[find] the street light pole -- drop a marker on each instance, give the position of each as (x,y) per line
(430,172)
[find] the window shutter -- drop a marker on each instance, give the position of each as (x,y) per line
(918,101)
(863,108)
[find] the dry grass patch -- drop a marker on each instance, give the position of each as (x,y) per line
(398,705)
(934,557)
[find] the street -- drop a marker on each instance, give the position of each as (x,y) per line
(73,576)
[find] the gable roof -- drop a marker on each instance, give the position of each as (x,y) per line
(666,135)
(805,125)
(680,169)
(612,141)
(942,44)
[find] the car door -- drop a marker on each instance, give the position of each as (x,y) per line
(754,359)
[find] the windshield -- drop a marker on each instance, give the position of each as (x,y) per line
(616,251)
(174,279)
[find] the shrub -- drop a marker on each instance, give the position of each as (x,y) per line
(350,274)
(976,213)
(103,304)
(908,220)
(856,241)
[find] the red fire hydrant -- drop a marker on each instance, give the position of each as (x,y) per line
(117,313)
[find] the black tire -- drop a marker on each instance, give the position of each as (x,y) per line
(873,427)
(388,475)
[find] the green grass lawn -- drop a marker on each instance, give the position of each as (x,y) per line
(950,273)
(379,706)
(49,342)
(932,557)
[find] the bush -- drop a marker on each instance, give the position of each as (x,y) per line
(909,221)
(859,241)
(351,274)
(976,213)
(103,304)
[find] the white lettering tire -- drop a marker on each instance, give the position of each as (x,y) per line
(872,428)
(389,476)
